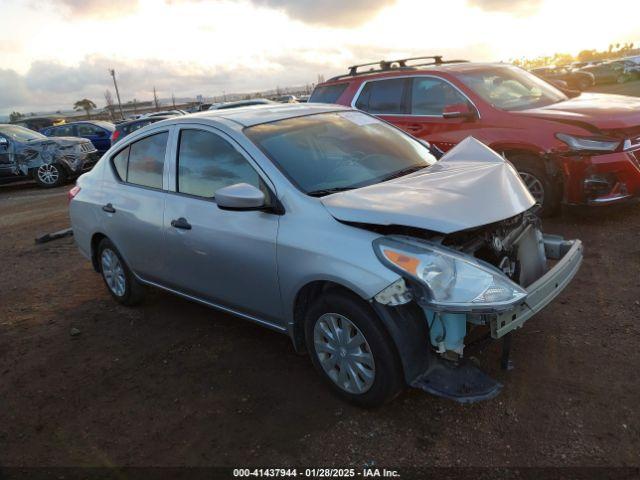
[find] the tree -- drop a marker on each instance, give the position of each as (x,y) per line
(15,116)
(109,100)
(86,105)
(155,98)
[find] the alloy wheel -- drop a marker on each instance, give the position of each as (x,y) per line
(535,186)
(48,173)
(113,272)
(344,353)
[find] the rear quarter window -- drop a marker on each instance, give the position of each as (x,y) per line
(142,162)
(328,93)
(383,97)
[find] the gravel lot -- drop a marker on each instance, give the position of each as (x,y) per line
(174,383)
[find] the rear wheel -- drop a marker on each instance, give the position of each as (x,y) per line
(545,190)
(119,280)
(352,351)
(49,175)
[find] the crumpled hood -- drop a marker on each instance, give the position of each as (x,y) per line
(603,111)
(469,187)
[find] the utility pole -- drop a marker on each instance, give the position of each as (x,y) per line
(115,84)
(173,100)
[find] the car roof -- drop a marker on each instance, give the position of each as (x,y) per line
(100,123)
(408,71)
(257,114)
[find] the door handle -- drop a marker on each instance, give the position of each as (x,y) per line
(414,127)
(109,208)
(181,223)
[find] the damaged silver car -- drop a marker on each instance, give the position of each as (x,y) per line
(333,227)
(49,161)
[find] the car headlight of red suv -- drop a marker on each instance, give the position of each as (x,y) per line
(588,144)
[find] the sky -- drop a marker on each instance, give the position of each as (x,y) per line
(54,52)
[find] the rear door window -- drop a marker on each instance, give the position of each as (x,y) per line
(64,131)
(142,162)
(430,95)
(383,97)
(328,93)
(87,130)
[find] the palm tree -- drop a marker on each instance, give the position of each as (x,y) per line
(86,105)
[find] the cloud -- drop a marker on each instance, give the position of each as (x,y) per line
(333,13)
(95,8)
(516,7)
(50,85)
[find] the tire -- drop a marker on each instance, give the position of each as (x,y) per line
(545,189)
(50,175)
(117,276)
(374,380)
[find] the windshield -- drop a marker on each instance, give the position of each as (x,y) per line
(511,88)
(330,152)
(21,134)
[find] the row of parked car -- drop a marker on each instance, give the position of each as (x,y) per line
(582,76)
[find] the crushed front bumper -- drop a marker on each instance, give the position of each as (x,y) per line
(541,292)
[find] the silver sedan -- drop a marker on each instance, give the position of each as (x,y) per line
(330,226)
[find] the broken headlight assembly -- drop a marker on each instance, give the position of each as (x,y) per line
(450,281)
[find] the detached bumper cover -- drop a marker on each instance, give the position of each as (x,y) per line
(546,288)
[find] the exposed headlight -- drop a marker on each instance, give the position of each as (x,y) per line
(454,282)
(588,144)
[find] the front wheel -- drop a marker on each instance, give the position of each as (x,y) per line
(544,189)
(50,175)
(352,351)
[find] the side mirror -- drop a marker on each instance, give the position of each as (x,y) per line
(4,143)
(240,196)
(458,110)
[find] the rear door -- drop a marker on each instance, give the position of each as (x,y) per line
(225,257)
(133,209)
(100,137)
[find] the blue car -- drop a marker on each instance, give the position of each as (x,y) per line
(97,131)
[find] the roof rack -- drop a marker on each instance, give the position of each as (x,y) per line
(385,65)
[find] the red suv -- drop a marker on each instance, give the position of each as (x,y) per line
(568,147)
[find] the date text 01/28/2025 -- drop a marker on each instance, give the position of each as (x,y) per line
(315,473)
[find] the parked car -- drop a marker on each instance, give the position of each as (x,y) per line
(579,149)
(98,132)
(287,99)
(164,113)
(49,161)
(609,72)
(125,128)
(241,103)
(201,107)
(333,227)
(574,79)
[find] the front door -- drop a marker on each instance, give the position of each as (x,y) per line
(429,98)
(222,256)
(6,157)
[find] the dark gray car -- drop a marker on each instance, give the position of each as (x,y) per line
(49,161)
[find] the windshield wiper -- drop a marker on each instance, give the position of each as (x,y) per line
(403,172)
(328,191)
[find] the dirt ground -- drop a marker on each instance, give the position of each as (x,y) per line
(174,383)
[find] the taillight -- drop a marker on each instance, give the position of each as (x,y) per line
(71,194)
(115,135)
